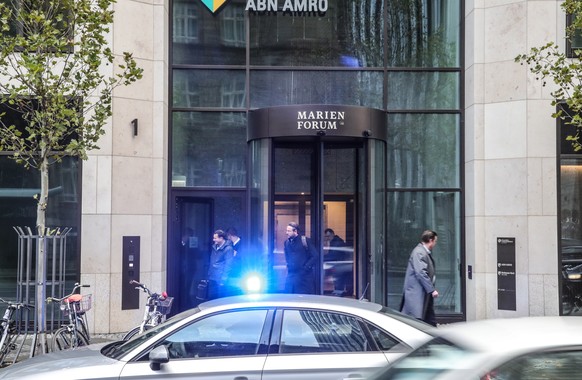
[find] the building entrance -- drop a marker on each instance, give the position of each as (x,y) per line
(332,184)
(302,173)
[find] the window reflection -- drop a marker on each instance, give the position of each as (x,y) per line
(18,208)
(362,88)
(408,215)
(186,23)
(228,334)
(423,33)
(203,38)
(233,26)
(349,34)
(209,149)
(209,88)
(423,90)
(423,150)
(571,235)
(306,331)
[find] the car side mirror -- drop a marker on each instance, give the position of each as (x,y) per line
(158,356)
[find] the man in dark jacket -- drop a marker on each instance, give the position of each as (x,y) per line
(220,267)
(237,262)
(301,259)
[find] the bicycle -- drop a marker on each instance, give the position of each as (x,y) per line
(156,309)
(8,328)
(75,333)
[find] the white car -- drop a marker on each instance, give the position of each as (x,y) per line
(251,337)
(529,348)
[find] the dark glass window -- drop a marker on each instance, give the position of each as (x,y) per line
(227,334)
(202,38)
(51,8)
(18,187)
(209,149)
(209,88)
(568,132)
(423,150)
(423,90)
(349,34)
(271,88)
(571,234)
(423,33)
(18,209)
(409,212)
(384,340)
(574,43)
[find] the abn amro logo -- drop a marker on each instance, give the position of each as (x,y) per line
(213,5)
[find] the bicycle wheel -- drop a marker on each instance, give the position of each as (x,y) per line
(6,344)
(64,339)
(82,329)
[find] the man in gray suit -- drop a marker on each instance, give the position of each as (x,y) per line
(419,291)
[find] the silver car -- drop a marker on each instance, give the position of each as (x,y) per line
(529,348)
(252,337)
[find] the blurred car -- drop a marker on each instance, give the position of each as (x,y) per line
(251,337)
(571,276)
(531,348)
(338,269)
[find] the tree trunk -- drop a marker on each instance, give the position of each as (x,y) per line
(41,257)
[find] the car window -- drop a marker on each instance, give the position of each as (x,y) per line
(117,350)
(308,331)
(226,334)
(554,365)
(384,340)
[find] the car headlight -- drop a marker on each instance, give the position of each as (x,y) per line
(574,276)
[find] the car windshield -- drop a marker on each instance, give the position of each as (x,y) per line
(116,350)
(427,361)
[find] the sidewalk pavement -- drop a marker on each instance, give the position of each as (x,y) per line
(23,346)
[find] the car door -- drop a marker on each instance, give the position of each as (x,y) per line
(222,346)
(322,345)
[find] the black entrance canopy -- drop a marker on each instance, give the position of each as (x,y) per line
(317,120)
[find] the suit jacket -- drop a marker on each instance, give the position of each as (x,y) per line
(418,282)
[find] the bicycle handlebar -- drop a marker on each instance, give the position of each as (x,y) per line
(145,289)
(141,286)
(77,286)
(17,305)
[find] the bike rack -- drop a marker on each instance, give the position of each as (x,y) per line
(53,283)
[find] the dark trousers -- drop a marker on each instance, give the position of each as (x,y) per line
(429,316)
(215,290)
(300,283)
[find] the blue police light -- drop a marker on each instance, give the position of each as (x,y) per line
(253,283)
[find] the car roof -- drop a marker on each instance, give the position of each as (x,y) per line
(290,300)
(515,334)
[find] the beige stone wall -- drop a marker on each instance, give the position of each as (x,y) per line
(125,182)
(510,157)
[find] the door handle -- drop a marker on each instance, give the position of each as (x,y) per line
(241,378)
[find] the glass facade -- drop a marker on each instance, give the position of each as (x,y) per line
(209,149)
(570,209)
(403,57)
(18,209)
